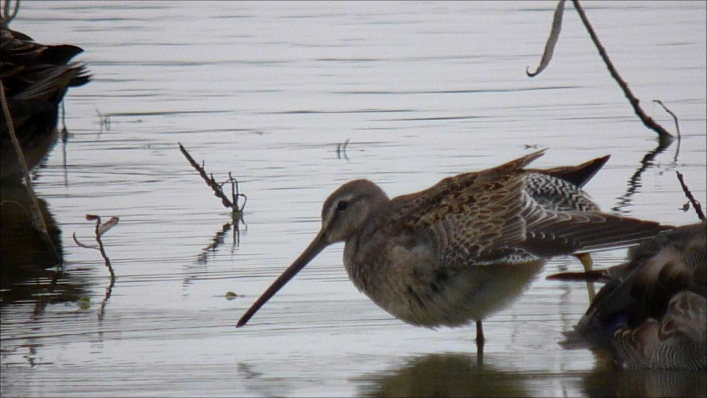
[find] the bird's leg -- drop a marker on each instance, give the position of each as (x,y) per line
(586,260)
(479,343)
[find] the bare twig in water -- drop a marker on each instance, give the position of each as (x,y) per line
(677,128)
(99,231)
(235,194)
(551,41)
(675,118)
(104,121)
(695,203)
(663,134)
(35,212)
(216,187)
(341,149)
(6,11)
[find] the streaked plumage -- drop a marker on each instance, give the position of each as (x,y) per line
(652,312)
(466,247)
(35,78)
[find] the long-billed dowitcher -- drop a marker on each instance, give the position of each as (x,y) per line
(652,312)
(464,248)
(35,78)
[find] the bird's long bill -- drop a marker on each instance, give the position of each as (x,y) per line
(314,248)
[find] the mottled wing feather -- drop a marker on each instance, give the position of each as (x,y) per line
(459,190)
(562,219)
(551,233)
(510,215)
(480,225)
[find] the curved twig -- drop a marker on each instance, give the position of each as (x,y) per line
(551,41)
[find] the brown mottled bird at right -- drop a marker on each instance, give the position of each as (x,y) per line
(652,312)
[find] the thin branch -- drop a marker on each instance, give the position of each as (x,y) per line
(215,186)
(6,11)
(99,231)
(675,118)
(109,291)
(663,134)
(80,244)
(695,203)
(235,194)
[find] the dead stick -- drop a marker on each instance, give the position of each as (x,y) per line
(663,134)
(100,244)
(218,191)
(675,118)
(692,199)
(7,15)
(37,218)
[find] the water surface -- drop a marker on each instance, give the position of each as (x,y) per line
(269,91)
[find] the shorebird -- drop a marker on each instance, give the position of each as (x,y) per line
(652,312)
(466,247)
(35,78)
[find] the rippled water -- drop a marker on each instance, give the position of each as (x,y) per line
(269,91)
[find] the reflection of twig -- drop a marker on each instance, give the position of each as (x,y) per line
(46,299)
(695,203)
(36,213)
(215,242)
(63,119)
(99,231)
(635,181)
(64,140)
(236,220)
(216,187)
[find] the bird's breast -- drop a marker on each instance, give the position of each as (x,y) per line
(412,283)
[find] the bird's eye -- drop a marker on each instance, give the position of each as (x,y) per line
(342,205)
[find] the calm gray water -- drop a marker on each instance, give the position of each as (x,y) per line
(268,91)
